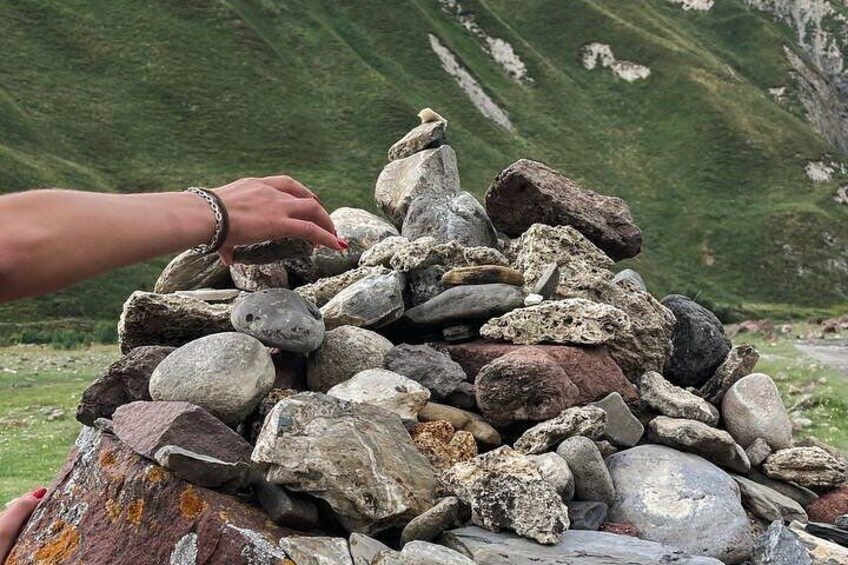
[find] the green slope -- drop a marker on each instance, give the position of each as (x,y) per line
(126,96)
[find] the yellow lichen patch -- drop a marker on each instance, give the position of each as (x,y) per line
(155,474)
(191,505)
(113,509)
(107,458)
(60,546)
(135,511)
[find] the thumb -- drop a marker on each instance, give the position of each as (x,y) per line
(15,516)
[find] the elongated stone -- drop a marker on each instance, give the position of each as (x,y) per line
(589,421)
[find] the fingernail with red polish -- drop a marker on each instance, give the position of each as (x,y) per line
(39,493)
(343,244)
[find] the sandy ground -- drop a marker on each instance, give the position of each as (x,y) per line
(833,353)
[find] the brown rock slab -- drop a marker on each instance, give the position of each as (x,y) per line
(108,506)
(123,382)
(483,274)
(529,192)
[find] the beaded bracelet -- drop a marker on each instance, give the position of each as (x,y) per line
(222,221)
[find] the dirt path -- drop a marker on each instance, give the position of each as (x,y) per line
(833,353)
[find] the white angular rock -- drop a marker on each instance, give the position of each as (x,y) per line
(317,550)
(589,421)
(674,401)
(555,470)
(569,321)
(381,253)
(384,389)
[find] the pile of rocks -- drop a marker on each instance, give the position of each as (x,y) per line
(464,384)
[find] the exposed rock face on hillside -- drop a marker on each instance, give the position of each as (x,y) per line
(561,436)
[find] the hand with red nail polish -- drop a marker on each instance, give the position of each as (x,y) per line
(12,520)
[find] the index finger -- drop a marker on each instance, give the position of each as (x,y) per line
(285,183)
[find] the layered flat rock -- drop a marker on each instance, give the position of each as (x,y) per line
(431,172)
(574,548)
(700,344)
(739,363)
(483,274)
(424,136)
(767,503)
(108,506)
(458,218)
(372,302)
(385,389)
(529,192)
(467,302)
(753,408)
(225,373)
(811,467)
(623,428)
(203,470)
(429,525)
(358,458)
(589,421)
(280,318)
(346,351)
(673,401)
(714,445)
(190,270)
(780,546)
(680,499)
(263,276)
(569,321)
(169,320)
(505,490)
(124,381)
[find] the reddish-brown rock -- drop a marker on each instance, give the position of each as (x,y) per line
(108,506)
(524,385)
(528,192)
(829,506)
(591,369)
(620,528)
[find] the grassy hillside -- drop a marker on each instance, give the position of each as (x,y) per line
(127,96)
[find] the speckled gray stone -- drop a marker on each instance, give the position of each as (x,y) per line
(280,318)
(346,351)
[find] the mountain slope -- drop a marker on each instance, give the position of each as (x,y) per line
(123,96)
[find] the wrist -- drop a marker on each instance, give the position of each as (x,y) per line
(191,218)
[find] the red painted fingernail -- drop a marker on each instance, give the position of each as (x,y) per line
(39,493)
(343,244)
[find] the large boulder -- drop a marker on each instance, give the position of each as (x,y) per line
(226,373)
(753,408)
(529,192)
(169,319)
(125,381)
(569,321)
(574,548)
(700,344)
(361,230)
(525,385)
(372,302)
(430,172)
(358,458)
(505,490)
(681,500)
(457,218)
(346,351)
(109,505)
(190,271)
(279,318)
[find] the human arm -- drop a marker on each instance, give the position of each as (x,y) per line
(54,238)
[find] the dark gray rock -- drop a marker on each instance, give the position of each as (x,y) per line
(528,192)
(280,318)
(505,490)
(587,515)
(700,344)
(767,503)
(284,508)
(467,302)
(429,525)
(779,546)
(575,548)
(125,381)
(753,408)
(346,351)
(203,470)
(592,481)
(226,374)
(623,428)
(464,396)
(632,277)
(357,457)
(548,281)
(190,270)
(842,522)
(423,364)
(680,499)
(448,218)
(372,302)
(714,445)
(799,494)
(828,532)
(425,136)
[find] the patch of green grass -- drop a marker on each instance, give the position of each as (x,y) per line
(40,388)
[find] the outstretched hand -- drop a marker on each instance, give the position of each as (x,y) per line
(271,208)
(12,520)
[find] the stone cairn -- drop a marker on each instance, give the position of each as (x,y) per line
(466,383)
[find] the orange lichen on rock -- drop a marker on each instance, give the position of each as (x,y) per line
(442,445)
(155,474)
(113,509)
(191,505)
(60,546)
(107,458)
(135,511)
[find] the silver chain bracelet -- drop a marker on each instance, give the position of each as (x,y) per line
(222,224)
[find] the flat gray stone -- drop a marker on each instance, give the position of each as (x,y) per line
(424,136)
(767,503)
(799,494)
(680,499)
(575,548)
(714,445)
(758,451)
(623,428)
(203,470)
(548,281)
(433,522)
(592,481)
(280,318)
(587,515)
(286,509)
(373,302)
(225,373)
(424,553)
(423,364)
(468,302)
